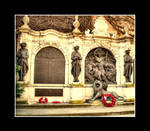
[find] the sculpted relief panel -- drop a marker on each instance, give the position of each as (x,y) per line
(100,64)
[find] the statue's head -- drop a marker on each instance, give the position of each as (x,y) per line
(98,84)
(127,51)
(23,45)
(76,48)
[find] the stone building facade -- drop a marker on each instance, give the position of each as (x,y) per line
(63,43)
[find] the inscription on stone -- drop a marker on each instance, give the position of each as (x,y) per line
(49,66)
(48,92)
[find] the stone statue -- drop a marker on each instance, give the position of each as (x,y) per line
(22,60)
(76,66)
(127,66)
(100,88)
(101,73)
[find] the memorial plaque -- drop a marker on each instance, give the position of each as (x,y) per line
(49,66)
(48,92)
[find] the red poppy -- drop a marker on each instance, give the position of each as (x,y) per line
(55,101)
(104,97)
(43,100)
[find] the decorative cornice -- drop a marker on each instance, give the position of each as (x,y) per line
(70,35)
(46,32)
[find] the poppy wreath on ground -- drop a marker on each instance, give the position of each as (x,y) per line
(43,100)
(55,101)
(110,97)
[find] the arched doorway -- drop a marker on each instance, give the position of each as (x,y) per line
(49,66)
(100,64)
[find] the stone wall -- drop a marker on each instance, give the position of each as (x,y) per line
(37,40)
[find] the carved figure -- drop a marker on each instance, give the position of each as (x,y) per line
(89,71)
(22,60)
(128,66)
(100,66)
(110,72)
(100,88)
(76,66)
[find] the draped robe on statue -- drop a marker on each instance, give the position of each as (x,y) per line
(76,66)
(22,60)
(127,67)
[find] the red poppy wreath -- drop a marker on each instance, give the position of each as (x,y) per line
(43,100)
(105,97)
(55,101)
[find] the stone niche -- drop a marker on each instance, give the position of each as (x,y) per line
(91,62)
(49,62)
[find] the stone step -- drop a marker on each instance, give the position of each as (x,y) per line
(127,110)
(65,105)
(51,105)
(118,113)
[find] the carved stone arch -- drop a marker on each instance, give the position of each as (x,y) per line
(36,49)
(49,66)
(109,65)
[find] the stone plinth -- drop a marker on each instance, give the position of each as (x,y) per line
(96,103)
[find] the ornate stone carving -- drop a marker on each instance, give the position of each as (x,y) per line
(22,60)
(76,24)
(100,65)
(25,21)
(100,88)
(128,66)
(76,66)
(100,27)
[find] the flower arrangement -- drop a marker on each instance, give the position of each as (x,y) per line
(107,97)
(43,100)
(55,101)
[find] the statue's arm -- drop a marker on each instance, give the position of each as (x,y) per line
(80,58)
(26,54)
(72,56)
(18,53)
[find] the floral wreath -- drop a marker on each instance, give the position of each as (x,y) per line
(55,101)
(43,100)
(110,96)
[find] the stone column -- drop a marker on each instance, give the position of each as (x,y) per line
(122,78)
(116,52)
